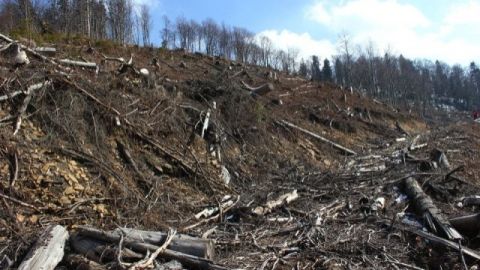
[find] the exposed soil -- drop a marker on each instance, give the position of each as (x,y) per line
(72,169)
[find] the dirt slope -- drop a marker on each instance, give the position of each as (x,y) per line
(109,148)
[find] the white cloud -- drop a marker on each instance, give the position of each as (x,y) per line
(403,27)
(306,45)
(149,3)
(464,14)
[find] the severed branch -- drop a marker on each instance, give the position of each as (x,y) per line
(19,202)
(69,62)
(119,59)
(125,153)
(260,90)
(325,140)
(26,102)
(204,221)
(205,123)
(47,50)
(13,168)
(21,113)
(271,205)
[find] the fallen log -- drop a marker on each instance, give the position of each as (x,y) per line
(425,207)
(325,140)
(271,205)
(471,201)
(186,259)
(31,51)
(46,50)
(203,248)
(260,90)
(48,251)
(99,251)
(78,63)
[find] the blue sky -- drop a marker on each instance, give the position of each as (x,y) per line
(431,29)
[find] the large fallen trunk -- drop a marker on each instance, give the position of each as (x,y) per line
(48,250)
(144,247)
(425,207)
(203,248)
(316,136)
(271,205)
(100,251)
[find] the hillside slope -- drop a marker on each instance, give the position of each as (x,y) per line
(110,147)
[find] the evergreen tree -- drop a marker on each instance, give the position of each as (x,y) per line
(327,74)
(316,72)
(303,70)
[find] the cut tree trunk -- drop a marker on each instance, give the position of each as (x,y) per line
(181,244)
(425,207)
(48,250)
(203,248)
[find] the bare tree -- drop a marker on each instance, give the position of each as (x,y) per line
(145,24)
(211,33)
(266,46)
(345,48)
(166,32)
(225,41)
(120,20)
(241,40)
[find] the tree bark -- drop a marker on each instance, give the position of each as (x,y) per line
(48,250)
(271,205)
(78,63)
(425,207)
(143,246)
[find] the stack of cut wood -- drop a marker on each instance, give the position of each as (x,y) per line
(124,247)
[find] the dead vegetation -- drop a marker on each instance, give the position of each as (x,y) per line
(172,160)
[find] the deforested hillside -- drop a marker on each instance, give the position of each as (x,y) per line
(119,157)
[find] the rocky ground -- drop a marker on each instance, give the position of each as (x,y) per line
(295,174)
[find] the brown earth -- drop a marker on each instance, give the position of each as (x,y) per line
(71,170)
